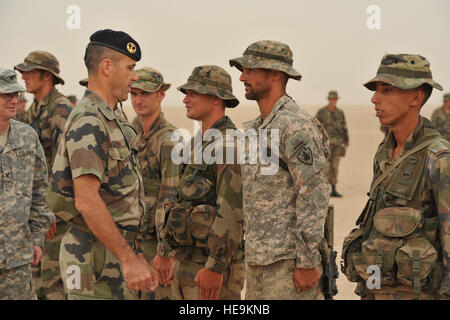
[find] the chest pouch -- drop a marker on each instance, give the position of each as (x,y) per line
(197,184)
(200,221)
(177,224)
(351,258)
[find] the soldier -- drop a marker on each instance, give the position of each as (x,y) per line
(284,211)
(205,225)
(160,173)
(333,120)
(96,181)
(47,115)
(73,100)
(404,229)
(441,118)
(24,215)
(21,105)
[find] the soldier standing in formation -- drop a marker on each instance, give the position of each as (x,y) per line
(47,115)
(404,228)
(441,118)
(154,146)
(24,215)
(204,228)
(333,120)
(21,108)
(284,212)
(96,180)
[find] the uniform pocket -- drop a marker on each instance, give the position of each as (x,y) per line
(351,250)
(397,221)
(120,173)
(177,224)
(200,221)
(194,184)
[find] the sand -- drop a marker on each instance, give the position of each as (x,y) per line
(355,170)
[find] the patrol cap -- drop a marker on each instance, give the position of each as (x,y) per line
(72,98)
(150,80)
(211,80)
(42,60)
(446,96)
(267,54)
(333,95)
(117,40)
(83,82)
(403,71)
(8,82)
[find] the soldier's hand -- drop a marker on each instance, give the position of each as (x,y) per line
(305,279)
(37,255)
(52,231)
(139,275)
(165,268)
(210,283)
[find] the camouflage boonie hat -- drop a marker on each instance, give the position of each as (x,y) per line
(211,80)
(84,82)
(333,95)
(150,80)
(8,82)
(267,54)
(446,96)
(403,71)
(41,60)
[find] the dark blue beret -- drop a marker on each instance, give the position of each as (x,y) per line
(117,40)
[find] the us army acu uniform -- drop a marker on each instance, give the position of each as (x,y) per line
(441,118)
(205,226)
(404,228)
(48,118)
(160,173)
(284,210)
(336,127)
(24,215)
(96,141)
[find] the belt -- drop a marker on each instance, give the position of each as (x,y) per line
(79,224)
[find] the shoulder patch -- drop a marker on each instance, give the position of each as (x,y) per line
(305,155)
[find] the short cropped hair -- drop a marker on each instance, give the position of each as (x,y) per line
(95,54)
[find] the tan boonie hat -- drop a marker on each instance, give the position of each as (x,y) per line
(267,54)
(150,80)
(211,80)
(333,95)
(403,71)
(41,60)
(8,82)
(84,82)
(446,96)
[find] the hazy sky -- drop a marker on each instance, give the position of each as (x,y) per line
(332,45)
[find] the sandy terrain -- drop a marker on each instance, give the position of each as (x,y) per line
(355,169)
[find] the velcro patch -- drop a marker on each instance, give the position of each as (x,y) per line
(305,156)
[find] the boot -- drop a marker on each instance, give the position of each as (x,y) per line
(334,193)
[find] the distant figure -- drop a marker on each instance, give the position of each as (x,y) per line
(73,99)
(333,120)
(441,118)
(21,105)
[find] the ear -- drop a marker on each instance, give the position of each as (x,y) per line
(106,67)
(161,94)
(417,98)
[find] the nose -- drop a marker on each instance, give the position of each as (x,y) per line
(134,76)
(375,98)
(186,99)
(242,77)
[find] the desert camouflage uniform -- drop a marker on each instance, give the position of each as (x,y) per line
(441,120)
(161,186)
(97,141)
(24,215)
(336,127)
(404,228)
(284,212)
(205,226)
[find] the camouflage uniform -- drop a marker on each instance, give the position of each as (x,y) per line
(96,141)
(159,172)
(336,127)
(24,215)
(48,118)
(284,212)
(22,117)
(404,228)
(205,226)
(441,119)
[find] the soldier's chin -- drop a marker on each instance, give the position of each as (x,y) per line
(251,96)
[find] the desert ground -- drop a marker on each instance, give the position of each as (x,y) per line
(355,170)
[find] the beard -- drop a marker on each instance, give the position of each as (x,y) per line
(256,94)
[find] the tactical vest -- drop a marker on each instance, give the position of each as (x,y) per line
(189,222)
(396,234)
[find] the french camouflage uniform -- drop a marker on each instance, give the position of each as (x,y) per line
(24,215)
(404,228)
(336,128)
(48,117)
(441,119)
(160,174)
(204,228)
(96,141)
(284,209)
